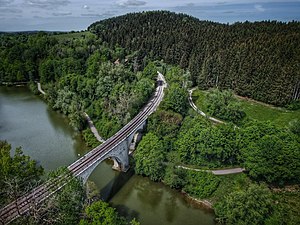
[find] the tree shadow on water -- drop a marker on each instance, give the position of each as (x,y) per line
(128,213)
(171,207)
(149,193)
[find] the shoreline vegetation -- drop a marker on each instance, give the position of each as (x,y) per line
(110,76)
(203,203)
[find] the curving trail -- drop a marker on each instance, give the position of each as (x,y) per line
(192,104)
(23,204)
(93,128)
(216,172)
(40,88)
(90,122)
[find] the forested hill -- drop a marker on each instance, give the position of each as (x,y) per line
(260,60)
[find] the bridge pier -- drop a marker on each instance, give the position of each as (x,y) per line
(119,154)
(116,147)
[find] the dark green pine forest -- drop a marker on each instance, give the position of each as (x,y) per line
(109,72)
(260,60)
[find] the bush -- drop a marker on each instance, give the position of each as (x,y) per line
(201,184)
(240,207)
(223,105)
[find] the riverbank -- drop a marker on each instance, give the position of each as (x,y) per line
(201,202)
(51,150)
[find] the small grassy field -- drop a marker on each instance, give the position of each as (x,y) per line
(72,35)
(254,110)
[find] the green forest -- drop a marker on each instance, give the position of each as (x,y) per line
(109,71)
(258,60)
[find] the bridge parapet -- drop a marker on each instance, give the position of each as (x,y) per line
(119,154)
(116,147)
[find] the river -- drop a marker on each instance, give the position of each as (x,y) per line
(27,121)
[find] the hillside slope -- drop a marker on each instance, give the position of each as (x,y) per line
(260,60)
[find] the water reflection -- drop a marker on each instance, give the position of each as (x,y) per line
(157,204)
(148,196)
(27,121)
(130,213)
(171,207)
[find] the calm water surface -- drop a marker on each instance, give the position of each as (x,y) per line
(26,120)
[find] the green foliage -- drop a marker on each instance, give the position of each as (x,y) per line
(178,76)
(33,87)
(70,202)
(286,209)
(100,213)
(294,105)
(219,144)
(149,157)
(188,139)
(165,125)
(270,153)
(252,206)
(201,184)
(69,103)
(294,126)
(150,71)
(134,222)
(76,73)
(17,173)
(63,206)
(47,70)
(254,110)
(258,60)
(89,138)
(175,177)
(176,99)
(229,184)
(223,105)
(202,144)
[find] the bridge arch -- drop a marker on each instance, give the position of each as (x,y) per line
(119,154)
(83,167)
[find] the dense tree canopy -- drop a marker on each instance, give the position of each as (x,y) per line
(223,105)
(18,173)
(258,60)
(149,157)
(252,206)
(99,213)
(270,153)
(176,99)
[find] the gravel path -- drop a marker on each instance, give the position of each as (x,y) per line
(90,122)
(217,172)
(40,88)
(93,128)
(192,104)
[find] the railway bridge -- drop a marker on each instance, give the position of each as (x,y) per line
(116,148)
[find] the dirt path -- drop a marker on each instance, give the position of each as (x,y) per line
(192,104)
(93,128)
(90,122)
(217,172)
(40,88)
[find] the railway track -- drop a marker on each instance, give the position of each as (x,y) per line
(40,193)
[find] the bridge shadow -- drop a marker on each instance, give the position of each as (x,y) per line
(114,186)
